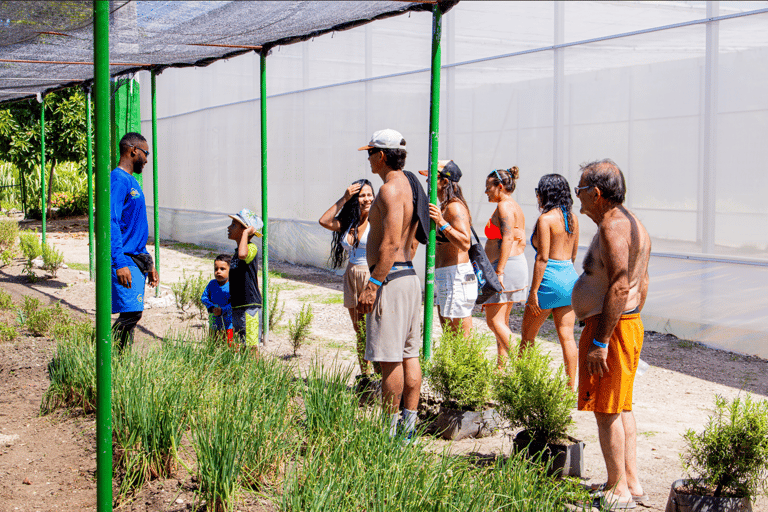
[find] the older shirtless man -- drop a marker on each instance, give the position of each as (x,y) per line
(608,297)
(392,297)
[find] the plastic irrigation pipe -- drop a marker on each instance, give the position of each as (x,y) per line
(264,195)
(434,126)
(101,93)
(154,179)
(89,153)
(42,162)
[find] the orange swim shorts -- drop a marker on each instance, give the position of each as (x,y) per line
(611,393)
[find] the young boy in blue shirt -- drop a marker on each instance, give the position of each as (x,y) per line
(216,298)
(245,296)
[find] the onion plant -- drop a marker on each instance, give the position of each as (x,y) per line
(72,372)
(150,408)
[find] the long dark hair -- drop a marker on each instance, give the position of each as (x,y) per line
(453,193)
(348,216)
(554,192)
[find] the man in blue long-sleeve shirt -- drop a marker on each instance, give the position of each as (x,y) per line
(131,263)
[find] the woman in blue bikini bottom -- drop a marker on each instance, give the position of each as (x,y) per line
(555,239)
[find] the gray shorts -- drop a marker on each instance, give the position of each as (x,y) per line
(393,328)
(515,282)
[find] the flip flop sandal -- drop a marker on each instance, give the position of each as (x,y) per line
(604,504)
(596,490)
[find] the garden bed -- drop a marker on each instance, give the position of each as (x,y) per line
(55,453)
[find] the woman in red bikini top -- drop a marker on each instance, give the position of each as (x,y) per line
(506,241)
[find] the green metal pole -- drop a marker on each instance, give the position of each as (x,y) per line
(264,206)
(91,244)
(155,200)
(42,163)
(434,125)
(101,93)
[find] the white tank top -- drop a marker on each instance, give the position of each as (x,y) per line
(356,255)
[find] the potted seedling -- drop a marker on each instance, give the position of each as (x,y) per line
(461,374)
(727,463)
(533,396)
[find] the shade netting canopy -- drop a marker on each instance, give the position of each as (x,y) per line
(48,45)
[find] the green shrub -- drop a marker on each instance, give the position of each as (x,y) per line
(9,232)
(460,372)
(187,293)
(531,395)
(30,245)
(41,321)
(8,333)
(29,305)
(66,327)
(52,258)
(730,456)
(6,301)
(299,330)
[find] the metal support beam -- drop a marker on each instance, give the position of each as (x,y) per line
(101,92)
(91,245)
(43,205)
(434,127)
(709,171)
(558,87)
(155,200)
(264,196)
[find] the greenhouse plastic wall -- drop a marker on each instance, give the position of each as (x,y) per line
(678,103)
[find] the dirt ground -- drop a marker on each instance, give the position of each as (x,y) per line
(48,462)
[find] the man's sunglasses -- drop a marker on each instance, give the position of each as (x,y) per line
(372,151)
(146,153)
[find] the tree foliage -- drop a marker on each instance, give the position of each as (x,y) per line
(65,137)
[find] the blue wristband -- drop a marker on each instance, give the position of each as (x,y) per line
(444,227)
(598,344)
(375,281)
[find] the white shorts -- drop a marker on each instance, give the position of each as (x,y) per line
(456,290)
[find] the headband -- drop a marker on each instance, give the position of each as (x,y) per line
(498,176)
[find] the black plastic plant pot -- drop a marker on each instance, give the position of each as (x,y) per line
(455,424)
(565,459)
(681,502)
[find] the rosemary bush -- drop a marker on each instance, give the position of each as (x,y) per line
(531,395)
(276,308)
(52,258)
(730,456)
(299,330)
(187,293)
(460,372)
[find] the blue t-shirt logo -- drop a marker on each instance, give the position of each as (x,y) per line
(134,193)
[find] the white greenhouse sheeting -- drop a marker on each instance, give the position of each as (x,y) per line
(674,92)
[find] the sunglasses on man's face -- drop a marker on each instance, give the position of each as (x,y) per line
(146,153)
(372,151)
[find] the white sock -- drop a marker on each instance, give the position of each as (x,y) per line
(394,419)
(409,420)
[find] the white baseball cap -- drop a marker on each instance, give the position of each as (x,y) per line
(386,139)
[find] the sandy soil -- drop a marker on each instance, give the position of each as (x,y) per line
(48,462)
